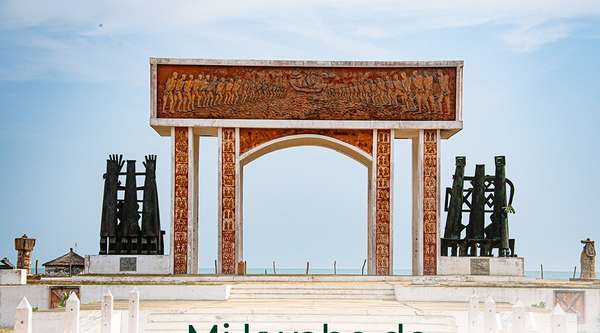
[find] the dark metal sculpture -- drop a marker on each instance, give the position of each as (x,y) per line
(487,194)
(120,231)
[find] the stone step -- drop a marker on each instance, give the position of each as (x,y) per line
(265,295)
(312,319)
(382,291)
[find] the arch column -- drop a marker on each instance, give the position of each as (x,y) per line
(381,263)
(184,209)
(230,237)
(425,197)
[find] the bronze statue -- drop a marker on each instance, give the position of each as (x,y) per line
(588,260)
(487,194)
(120,232)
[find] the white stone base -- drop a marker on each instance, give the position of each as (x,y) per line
(492,266)
(13,277)
(128,264)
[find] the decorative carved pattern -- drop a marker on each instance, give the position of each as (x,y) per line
(382,219)
(180,232)
(430,202)
(57,294)
(252,137)
(571,301)
(303,93)
(228,161)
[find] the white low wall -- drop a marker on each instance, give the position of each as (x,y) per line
(39,295)
(90,321)
(128,264)
(93,293)
(492,266)
(10,296)
(528,295)
(13,277)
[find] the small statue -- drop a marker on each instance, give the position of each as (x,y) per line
(588,260)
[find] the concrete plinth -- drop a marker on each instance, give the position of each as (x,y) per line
(13,276)
(493,266)
(128,264)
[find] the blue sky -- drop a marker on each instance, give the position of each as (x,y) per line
(74,88)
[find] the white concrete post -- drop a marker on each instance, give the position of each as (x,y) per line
(519,318)
(490,324)
(134,311)
(473,315)
(72,314)
(107,313)
(23,317)
(559,320)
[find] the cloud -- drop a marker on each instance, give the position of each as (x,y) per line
(80,39)
(528,38)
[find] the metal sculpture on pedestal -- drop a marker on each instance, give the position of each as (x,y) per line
(120,231)
(486,194)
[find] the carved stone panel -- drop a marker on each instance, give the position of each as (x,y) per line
(383,203)
(252,137)
(571,301)
(430,202)
(59,294)
(180,232)
(128,264)
(306,93)
(480,266)
(228,209)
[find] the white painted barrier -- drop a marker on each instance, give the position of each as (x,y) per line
(519,318)
(72,314)
(23,317)
(107,313)
(473,314)
(134,312)
(559,320)
(490,321)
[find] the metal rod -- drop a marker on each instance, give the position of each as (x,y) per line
(542,270)
(307,267)
(334,267)
(216,270)
(274,270)
(36,266)
(574,270)
(362,270)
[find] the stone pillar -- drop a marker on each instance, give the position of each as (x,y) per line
(229,249)
(425,224)
(383,202)
(24,246)
(184,224)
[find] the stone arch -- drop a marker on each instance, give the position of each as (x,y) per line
(298,140)
(352,143)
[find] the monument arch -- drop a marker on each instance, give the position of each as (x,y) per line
(355,108)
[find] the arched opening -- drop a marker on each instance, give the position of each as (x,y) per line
(302,203)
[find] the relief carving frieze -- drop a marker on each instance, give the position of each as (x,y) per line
(332,93)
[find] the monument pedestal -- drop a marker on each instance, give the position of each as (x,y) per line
(128,264)
(492,266)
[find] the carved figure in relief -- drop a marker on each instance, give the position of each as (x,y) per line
(168,94)
(179,93)
(588,260)
(444,100)
(420,90)
(310,82)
